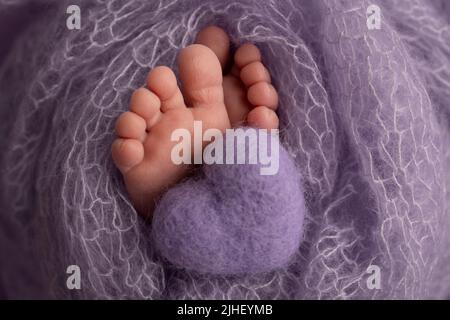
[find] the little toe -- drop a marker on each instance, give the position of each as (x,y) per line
(201,75)
(147,105)
(253,73)
(263,94)
(127,153)
(131,126)
(263,118)
(162,81)
(217,40)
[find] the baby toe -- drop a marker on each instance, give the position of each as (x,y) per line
(253,73)
(246,54)
(162,81)
(217,40)
(201,75)
(127,153)
(263,118)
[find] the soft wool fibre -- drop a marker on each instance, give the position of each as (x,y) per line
(229,219)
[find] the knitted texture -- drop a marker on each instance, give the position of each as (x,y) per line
(230,219)
(364,114)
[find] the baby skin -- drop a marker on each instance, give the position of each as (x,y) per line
(210,93)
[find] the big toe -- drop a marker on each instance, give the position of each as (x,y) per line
(201,75)
(217,40)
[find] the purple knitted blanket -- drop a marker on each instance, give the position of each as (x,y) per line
(363,181)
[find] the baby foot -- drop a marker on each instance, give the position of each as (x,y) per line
(142,151)
(249,96)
